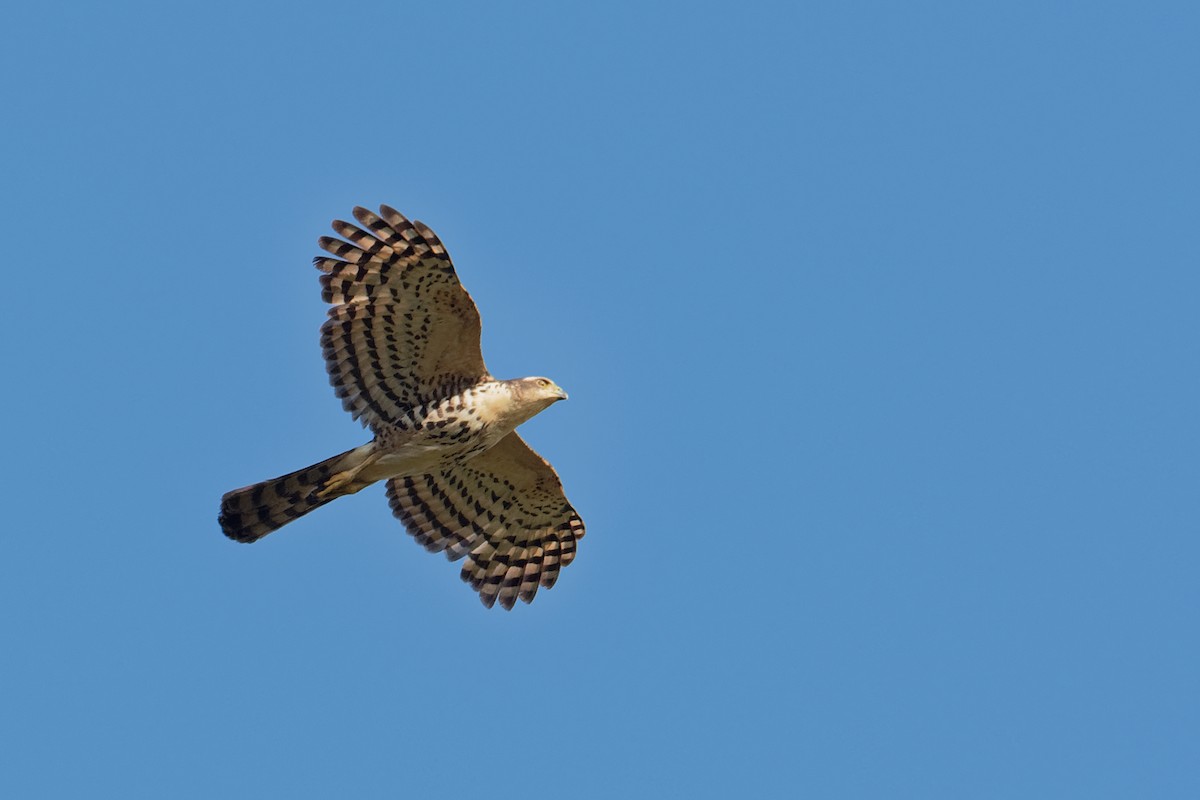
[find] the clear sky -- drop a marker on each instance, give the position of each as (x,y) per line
(879,322)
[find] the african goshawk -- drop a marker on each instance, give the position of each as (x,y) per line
(402,349)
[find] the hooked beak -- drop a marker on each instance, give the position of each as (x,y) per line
(561,394)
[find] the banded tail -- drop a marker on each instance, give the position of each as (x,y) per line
(250,513)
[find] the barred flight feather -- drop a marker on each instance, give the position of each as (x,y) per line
(504,509)
(399,316)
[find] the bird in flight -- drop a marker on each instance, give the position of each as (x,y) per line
(402,350)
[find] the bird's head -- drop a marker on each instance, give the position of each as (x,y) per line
(542,391)
(529,397)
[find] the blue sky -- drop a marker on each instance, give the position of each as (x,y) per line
(879,323)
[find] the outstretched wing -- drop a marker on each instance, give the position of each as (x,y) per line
(402,331)
(504,509)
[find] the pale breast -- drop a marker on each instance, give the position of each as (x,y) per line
(446,433)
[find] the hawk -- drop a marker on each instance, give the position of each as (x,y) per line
(402,350)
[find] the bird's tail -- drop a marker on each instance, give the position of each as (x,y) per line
(250,513)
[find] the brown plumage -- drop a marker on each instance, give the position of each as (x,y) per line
(402,348)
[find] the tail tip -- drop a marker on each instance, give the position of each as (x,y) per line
(233,527)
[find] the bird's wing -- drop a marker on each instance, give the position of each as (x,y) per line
(504,509)
(402,331)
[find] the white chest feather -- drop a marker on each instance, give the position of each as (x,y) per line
(446,433)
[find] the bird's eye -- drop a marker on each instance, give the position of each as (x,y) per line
(543,382)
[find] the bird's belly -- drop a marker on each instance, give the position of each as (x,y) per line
(422,457)
(411,459)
